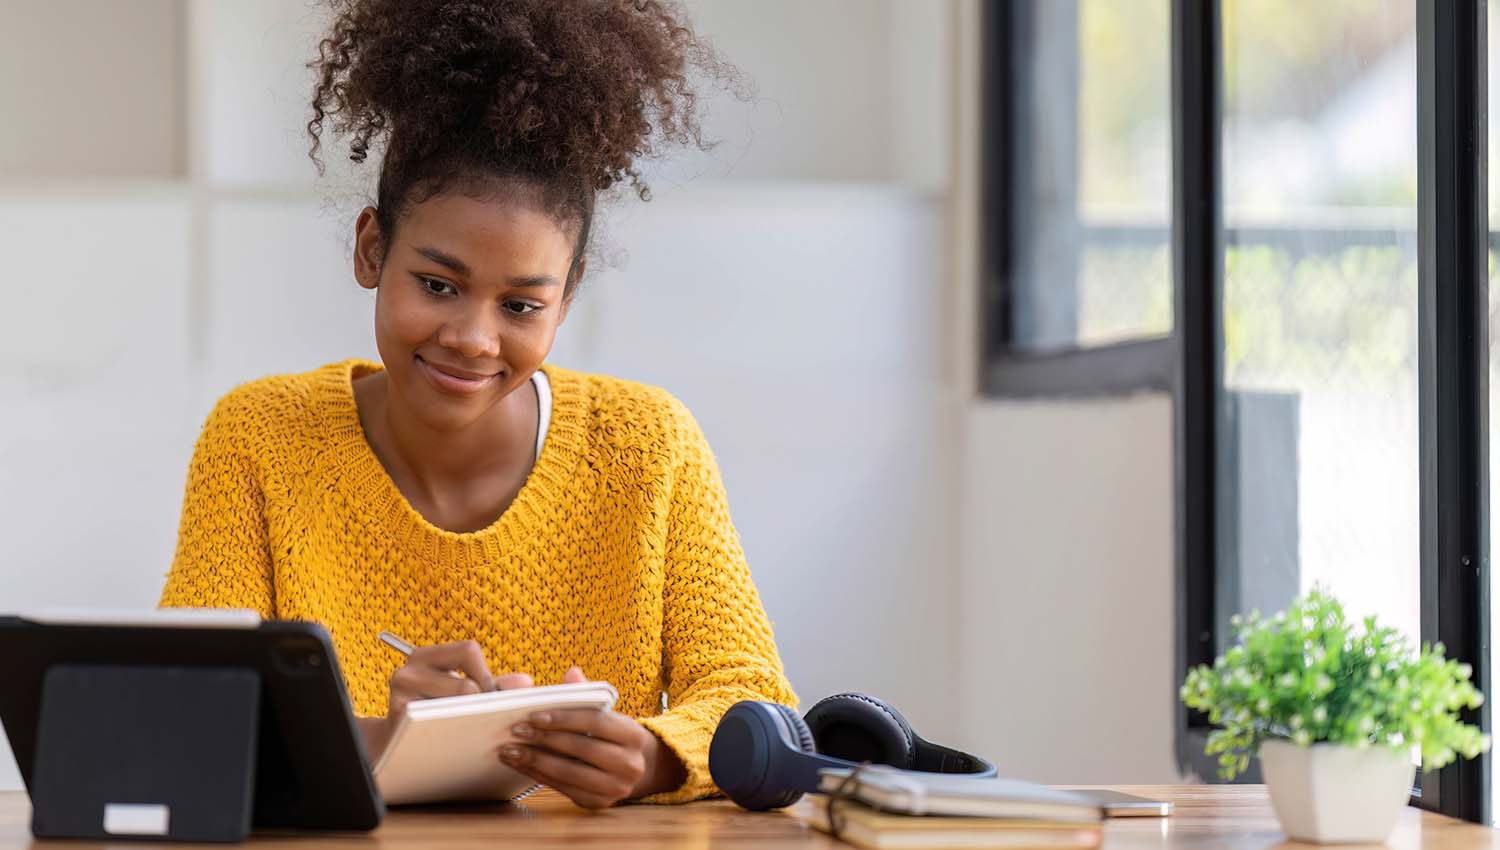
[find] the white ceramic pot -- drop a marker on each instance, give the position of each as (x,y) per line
(1334,794)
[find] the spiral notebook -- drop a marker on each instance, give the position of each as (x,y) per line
(449,748)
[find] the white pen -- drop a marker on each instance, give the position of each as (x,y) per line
(397,644)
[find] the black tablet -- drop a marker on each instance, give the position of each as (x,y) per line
(310,768)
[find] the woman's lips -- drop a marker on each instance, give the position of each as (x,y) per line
(449,382)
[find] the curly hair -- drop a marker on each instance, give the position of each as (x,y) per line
(557,97)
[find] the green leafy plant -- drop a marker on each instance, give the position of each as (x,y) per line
(1310,676)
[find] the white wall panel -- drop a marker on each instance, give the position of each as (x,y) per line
(91,89)
(1066,589)
(95,374)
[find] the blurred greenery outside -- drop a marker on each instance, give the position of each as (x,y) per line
(1344,317)
(1311,309)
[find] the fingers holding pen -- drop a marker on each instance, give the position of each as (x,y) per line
(442,670)
(465,656)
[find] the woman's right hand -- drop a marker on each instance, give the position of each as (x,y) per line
(444,670)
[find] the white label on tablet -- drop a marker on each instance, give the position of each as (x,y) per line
(136,819)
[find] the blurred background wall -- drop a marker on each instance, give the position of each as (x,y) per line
(1000,571)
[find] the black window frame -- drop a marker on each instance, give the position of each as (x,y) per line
(1009,371)
(1453,364)
(1453,344)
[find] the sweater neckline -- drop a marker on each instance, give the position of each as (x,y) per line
(363,478)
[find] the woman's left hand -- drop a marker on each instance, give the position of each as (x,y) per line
(597,758)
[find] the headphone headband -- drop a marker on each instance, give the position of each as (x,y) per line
(936,758)
(763,755)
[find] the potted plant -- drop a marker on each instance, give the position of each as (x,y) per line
(1336,713)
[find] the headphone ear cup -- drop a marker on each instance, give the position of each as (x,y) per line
(859,728)
(738,753)
(804,738)
(758,750)
(800,729)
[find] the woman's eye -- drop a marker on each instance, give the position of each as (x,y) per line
(433,286)
(521,308)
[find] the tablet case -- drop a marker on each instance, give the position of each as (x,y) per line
(310,768)
(146,752)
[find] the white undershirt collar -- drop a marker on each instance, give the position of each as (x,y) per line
(543,407)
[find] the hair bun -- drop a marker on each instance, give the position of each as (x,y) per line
(571,89)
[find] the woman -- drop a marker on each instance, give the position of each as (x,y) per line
(505,515)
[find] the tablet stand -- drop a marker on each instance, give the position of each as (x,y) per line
(146,752)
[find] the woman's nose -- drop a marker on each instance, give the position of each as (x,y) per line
(473,336)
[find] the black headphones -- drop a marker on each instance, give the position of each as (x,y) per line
(764,756)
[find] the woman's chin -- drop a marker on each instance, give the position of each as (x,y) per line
(442,411)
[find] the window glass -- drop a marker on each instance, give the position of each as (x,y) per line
(1317,408)
(1093,173)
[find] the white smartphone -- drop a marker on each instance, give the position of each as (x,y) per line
(1117,804)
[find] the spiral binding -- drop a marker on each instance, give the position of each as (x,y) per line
(527,793)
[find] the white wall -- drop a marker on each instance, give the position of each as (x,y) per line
(118,64)
(99,404)
(843,90)
(1066,581)
(98,401)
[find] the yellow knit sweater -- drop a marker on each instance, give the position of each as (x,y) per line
(617,555)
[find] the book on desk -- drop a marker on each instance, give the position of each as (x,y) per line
(885,809)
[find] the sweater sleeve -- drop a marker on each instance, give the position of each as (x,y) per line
(223,557)
(716,635)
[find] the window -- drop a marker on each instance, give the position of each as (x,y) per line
(1081,248)
(1327,260)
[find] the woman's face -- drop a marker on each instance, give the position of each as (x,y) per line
(469,296)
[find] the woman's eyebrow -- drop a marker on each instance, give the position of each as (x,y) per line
(534,280)
(461,268)
(442,259)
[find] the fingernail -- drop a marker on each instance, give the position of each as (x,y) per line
(541,718)
(521,730)
(510,753)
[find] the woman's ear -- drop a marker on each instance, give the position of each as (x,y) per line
(369,249)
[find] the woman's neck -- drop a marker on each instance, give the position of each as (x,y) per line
(440,462)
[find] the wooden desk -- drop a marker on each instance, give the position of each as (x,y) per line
(1236,817)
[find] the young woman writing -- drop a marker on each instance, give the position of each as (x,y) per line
(520,522)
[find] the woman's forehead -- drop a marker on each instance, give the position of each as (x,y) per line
(475,229)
